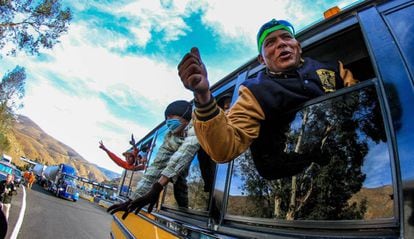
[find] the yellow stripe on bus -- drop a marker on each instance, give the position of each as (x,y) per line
(116,231)
(138,227)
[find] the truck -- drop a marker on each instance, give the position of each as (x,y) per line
(6,158)
(61,180)
(38,171)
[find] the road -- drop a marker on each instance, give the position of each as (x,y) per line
(47,216)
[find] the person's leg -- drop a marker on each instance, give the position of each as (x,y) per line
(207,169)
(6,210)
(181,189)
(3,224)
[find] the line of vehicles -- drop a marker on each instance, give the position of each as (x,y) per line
(62,180)
(59,179)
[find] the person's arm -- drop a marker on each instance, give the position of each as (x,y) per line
(13,190)
(176,163)
(226,137)
(346,76)
(223,138)
(193,75)
(117,160)
(163,180)
(121,163)
(139,167)
(183,156)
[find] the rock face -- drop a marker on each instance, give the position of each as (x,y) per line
(29,140)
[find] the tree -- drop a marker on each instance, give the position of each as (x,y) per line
(11,93)
(27,25)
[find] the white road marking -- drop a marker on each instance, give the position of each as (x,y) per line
(21,216)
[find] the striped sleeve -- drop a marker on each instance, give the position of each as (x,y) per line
(224,137)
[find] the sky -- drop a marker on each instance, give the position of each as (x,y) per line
(115,70)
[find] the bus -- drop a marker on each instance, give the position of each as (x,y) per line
(366,190)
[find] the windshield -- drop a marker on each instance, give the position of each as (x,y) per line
(69,178)
(17,173)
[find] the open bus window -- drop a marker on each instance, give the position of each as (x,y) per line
(199,177)
(354,180)
(130,179)
(348,47)
(192,186)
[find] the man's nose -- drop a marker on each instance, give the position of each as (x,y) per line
(280,43)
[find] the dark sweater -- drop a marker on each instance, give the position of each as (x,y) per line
(7,190)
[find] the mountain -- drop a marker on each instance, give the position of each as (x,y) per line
(108,173)
(29,140)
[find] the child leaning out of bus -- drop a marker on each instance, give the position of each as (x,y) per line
(255,118)
(134,159)
(170,164)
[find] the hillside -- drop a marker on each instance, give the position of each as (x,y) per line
(29,140)
(109,174)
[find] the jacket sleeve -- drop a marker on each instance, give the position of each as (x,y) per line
(183,156)
(119,161)
(224,137)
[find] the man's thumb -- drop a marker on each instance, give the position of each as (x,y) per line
(195,51)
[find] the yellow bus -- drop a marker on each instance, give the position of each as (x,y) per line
(366,190)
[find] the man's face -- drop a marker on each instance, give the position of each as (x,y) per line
(184,123)
(9,178)
(280,51)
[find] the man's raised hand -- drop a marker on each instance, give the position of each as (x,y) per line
(101,145)
(193,74)
(132,141)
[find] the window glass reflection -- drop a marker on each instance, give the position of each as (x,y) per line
(158,142)
(125,184)
(348,174)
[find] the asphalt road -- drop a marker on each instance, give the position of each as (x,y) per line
(48,217)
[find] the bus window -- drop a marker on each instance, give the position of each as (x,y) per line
(135,176)
(156,145)
(353,181)
(195,189)
(126,183)
(130,178)
(348,47)
(200,175)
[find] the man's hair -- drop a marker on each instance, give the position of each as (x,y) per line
(180,108)
(271,26)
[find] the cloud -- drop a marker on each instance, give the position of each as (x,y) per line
(377,166)
(65,89)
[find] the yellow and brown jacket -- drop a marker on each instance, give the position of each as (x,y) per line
(253,120)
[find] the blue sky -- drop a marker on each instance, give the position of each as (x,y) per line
(114,72)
